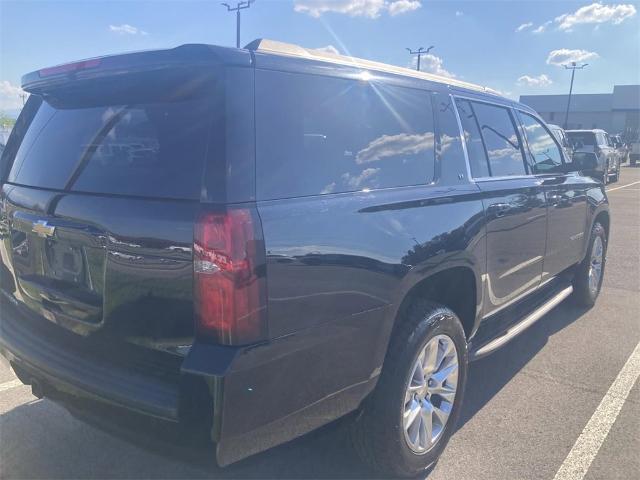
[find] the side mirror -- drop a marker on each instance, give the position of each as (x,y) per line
(583,161)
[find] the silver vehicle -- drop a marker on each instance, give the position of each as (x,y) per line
(598,142)
(621,148)
(561,136)
(633,143)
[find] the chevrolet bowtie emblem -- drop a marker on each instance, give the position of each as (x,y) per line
(42,229)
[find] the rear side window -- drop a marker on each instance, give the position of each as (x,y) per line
(155,150)
(473,139)
(319,135)
(544,154)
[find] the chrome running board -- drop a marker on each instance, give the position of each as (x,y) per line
(520,327)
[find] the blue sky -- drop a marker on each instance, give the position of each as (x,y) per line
(512,46)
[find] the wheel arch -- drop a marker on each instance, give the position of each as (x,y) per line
(456,286)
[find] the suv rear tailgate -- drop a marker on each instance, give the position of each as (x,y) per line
(102,182)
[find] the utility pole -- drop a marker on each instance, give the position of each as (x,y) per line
(239,6)
(573,69)
(23,96)
(421,51)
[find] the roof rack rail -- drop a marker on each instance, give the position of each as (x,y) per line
(289,49)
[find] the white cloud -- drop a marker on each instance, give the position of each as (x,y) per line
(395,145)
(356,8)
(126,29)
(403,6)
(524,26)
(355,182)
(329,49)
(459,13)
(539,81)
(542,28)
(596,13)
(431,63)
(10,95)
(563,56)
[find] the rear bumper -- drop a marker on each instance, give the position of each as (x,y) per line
(55,369)
(244,399)
(150,403)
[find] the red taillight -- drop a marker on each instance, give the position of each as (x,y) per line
(229,292)
(69,67)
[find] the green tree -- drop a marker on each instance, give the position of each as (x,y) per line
(6,121)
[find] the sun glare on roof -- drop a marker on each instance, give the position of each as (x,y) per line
(365,76)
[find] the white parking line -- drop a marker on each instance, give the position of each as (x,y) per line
(623,186)
(10,384)
(577,463)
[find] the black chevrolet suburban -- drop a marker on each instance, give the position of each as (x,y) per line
(237,246)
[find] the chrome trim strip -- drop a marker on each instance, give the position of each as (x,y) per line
(522,265)
(524,324)
(521,296)
(507,177)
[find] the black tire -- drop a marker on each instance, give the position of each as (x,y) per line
(377,432)
(583,295)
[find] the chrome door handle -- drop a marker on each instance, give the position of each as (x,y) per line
(499,209)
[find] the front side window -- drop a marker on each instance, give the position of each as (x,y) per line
(318,135)
(544,155)
(498,137)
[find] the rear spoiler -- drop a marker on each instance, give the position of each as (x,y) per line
(114,65)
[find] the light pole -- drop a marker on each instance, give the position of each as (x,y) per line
(573,69)
(421,51)
(239,6)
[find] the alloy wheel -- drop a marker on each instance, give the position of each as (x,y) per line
(595,267)
(430,393)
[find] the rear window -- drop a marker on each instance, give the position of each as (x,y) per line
(149,149)
(318,135)
(584,138)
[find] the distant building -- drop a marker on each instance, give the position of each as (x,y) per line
(617,112)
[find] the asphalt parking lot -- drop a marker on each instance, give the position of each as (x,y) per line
(555,402)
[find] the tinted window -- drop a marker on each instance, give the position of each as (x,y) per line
(500,139)
(584,138)
(319,135)
(473,139)
(450,145)
(147,150)
(497,135)
(544,154)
